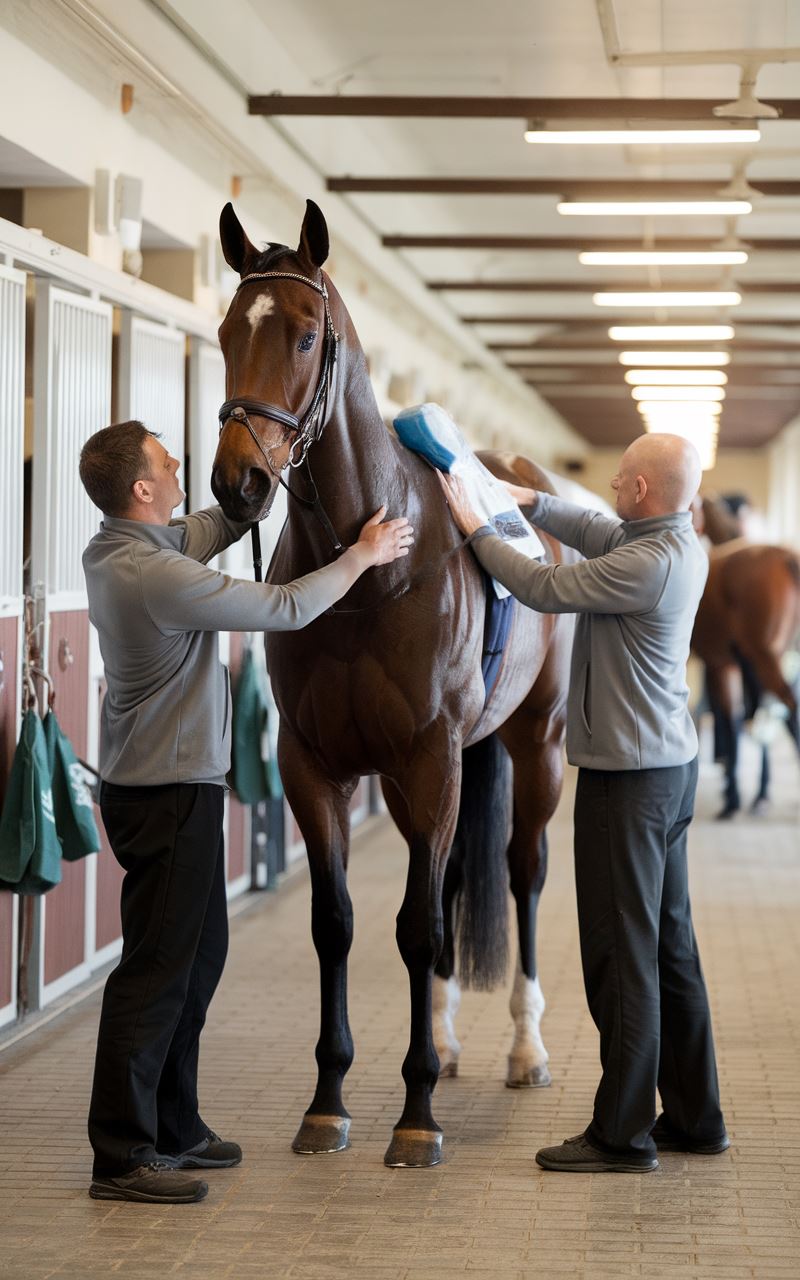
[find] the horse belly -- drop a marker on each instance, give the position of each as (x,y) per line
(525,652)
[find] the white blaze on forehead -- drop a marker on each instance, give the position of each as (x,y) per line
(264,305)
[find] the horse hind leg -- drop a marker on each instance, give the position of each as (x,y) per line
(446,987)
(533,737)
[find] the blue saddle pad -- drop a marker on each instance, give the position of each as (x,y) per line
(499,616)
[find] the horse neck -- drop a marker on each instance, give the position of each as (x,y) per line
(355,464)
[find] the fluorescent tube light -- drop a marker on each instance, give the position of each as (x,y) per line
(656,258)
(676,377)
(638,137)
(678,393)
(653,208)
(664,298)
(671,332)
(703,358)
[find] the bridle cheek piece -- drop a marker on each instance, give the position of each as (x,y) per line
(309,426)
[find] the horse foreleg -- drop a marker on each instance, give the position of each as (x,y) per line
(431,790)
(322,812)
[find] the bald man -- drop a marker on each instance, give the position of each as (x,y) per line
(630,734)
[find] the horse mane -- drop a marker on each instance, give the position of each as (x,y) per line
(270,254)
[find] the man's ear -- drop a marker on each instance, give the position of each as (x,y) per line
(141,492)
(641,488)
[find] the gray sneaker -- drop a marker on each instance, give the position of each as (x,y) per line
(154,1183)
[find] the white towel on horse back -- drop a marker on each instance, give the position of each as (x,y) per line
(430,431)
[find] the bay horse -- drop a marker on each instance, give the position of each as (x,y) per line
(748,617)
(389,682)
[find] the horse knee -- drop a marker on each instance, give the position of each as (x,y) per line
(419,942)
(332,929)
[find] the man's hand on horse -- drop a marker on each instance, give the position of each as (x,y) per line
(522,496)
(381,542)
(456,495)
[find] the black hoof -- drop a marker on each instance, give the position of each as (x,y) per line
(414,1149)
(322,1135)
(726,813)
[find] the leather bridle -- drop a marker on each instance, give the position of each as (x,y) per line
(308,426)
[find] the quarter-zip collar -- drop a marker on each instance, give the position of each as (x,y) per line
(168,537)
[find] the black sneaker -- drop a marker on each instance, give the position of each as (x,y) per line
(577,1155)
(667,1138)
(211,1153)
(154,1183)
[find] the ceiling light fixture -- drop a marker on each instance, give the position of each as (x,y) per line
(666,298)
(536,132)
(671,332)
(678,393)
(689,409)
(655,258)
(653,208)
(675,377)
(702,358)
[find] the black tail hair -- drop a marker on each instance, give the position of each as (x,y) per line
(479,845)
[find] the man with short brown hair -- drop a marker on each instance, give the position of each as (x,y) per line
(164,754)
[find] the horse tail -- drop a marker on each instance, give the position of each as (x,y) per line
(479,845)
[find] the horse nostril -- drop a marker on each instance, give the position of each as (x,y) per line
(255,484)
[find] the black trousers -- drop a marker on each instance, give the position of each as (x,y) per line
(174,942)
(641,968)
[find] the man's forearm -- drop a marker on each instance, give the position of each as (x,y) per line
(589,532)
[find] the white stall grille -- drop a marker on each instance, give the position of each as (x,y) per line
(12,435)
(206,394)
(72,401)
(152,383)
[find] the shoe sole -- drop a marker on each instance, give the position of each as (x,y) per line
(99,1192)
(594,1166)
(682,1147)
(197,1162)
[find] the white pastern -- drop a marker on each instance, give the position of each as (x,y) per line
(527,1062)
(264,305)
(446,999)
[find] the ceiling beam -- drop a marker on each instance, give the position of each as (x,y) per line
(596,343)
(614,374)
(497,108)
(571,188)
(601,286)
(575,244)
(604,322)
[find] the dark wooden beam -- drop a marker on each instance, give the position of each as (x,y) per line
(613,374)
(602,286)
(575,244)
(569,188)
(497,108)
(603,322)
(562,342)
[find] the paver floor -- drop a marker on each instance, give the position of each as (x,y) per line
(487,1211)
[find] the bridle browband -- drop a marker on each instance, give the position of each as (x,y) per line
(308,426)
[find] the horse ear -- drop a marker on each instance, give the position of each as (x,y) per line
(314,242)
(235,245)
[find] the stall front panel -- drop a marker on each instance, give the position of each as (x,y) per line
(12,434)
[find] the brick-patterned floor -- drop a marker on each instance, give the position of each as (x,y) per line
(487,1210)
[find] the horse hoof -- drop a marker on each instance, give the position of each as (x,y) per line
(414,1149)
(760,805)
(530,1078)
(725,815)
(449,1071)
(322,1135)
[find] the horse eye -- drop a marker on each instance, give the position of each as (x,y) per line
(307,342)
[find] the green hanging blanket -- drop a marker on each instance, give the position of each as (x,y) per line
(254,772)
(72,800)
(30,852)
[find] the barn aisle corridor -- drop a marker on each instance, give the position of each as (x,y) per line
(487,1211)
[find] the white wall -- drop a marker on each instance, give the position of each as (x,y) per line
(187,135)
(784,503)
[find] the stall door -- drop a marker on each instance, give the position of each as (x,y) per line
(72,400)
(12,433)
(152,381)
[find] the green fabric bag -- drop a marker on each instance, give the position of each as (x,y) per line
(254,772)
(72,800)
(30,852)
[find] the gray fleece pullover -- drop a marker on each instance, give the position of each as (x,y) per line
(157,607)
(636,595)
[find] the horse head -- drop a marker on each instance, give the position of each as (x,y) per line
(279,346)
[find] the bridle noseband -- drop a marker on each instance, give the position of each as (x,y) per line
(309,426)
